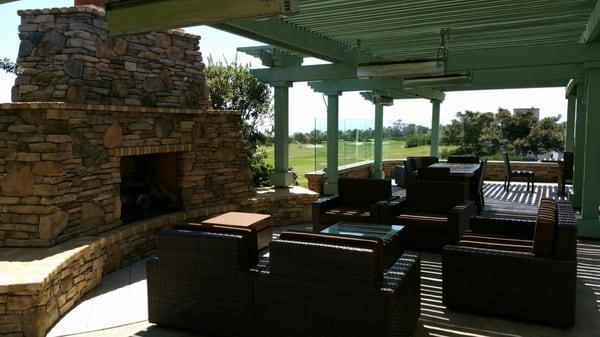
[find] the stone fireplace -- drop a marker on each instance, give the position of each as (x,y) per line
(126,133)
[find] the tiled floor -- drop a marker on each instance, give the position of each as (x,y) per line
(120,299)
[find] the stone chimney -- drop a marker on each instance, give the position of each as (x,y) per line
(66,55)
(97,3)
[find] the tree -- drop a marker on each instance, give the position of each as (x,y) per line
(488,133)
(233,87)
(547,135)
(8,66)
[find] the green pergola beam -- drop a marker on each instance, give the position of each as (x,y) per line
(592,28)
(273,56)
(136,16)
(285,35)
(522,57)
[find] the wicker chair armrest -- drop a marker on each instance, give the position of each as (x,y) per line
(521,227)
(458,219)
(320,206)
(406,267)
(389,209)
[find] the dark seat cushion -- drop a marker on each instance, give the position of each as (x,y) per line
(513,247)
(362,192)
(373,243)
(350,214)
(424,222)
(545,227)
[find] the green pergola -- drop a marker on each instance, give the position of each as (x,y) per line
(395,49)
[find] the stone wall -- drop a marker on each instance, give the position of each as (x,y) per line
(60,164)
(546,172)
(66,55)
(48,281)
(288,206)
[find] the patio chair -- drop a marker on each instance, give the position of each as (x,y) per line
(434,173)
(355,202)
(403,174)
(336,287)
(566,172)
(516,268)
(203,280)
(476,188)
(434,213)
(509,174)
(463,159)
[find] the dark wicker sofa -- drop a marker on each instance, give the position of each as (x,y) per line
(335,288)
(434,213)
(355,202)
(203,280)
(516,268)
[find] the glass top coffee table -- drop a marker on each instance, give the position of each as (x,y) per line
(391,235)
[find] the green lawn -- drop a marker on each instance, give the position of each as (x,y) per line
(306,157)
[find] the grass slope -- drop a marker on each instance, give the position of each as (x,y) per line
(302,156)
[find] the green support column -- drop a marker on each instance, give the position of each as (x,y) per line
(589,223)
(281,177)
(331,185)
(378,148)
(570,136)
(435,128)
(580,117)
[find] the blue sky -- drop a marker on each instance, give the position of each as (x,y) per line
(305,104)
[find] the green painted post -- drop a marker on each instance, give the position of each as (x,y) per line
(589,224)
(570,136)
(378,148)
(281,177)
(435,128)
(580,117)
(331,185)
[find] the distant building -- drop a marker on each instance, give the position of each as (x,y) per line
(532,110)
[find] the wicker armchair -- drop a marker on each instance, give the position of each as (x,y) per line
(204,280)
(336,289)
(434,213)
(516,268)
(355,202)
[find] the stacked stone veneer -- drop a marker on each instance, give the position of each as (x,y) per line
(66,55)
(60,164)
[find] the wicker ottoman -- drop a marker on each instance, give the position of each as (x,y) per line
(262,224)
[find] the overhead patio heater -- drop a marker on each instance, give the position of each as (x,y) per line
(136,16)
(401,69)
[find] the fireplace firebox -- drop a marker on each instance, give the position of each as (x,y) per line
(149,186)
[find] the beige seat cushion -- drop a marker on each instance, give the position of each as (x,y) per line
(254,221)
